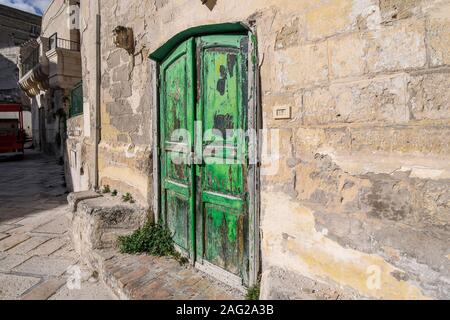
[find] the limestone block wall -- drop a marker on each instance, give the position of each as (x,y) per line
(357,202)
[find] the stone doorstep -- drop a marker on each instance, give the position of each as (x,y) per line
(145,277)
(97,220)
(74,198)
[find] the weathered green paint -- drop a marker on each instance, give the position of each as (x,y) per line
(222,104)
(177,112)
(205,204)
(161,53)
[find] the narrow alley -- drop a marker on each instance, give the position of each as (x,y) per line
(36,257)
(37,260)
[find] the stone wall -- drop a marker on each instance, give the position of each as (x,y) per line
(358,204)
(56,19)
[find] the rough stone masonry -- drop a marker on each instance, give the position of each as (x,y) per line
(360,205)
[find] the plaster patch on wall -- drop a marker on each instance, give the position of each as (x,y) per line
(420,166)
(366,14)
(313,255)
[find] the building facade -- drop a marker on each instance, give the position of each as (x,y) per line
(50,73)
(344,190)
(16,28)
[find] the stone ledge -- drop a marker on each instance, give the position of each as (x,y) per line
(144,277)
(74,198)
(95,221)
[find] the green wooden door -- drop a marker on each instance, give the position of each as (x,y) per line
(205,201)
(176,144)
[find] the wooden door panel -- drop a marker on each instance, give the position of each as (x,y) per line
(222,108)
(204,204)
(178,221)
(223,178)
(176,126)
(225,243)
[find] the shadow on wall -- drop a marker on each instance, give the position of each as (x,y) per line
(210,4)
(67,169)
(9,76)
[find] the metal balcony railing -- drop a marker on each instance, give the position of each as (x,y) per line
(31,61)
(55,42)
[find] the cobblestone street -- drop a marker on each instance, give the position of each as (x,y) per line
(36,258)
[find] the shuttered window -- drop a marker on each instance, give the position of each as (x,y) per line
(76,100)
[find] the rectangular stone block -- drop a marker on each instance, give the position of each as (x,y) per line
(380,99)
(438,36)
(13,286)
(49,247)
(429,96)
(12,241)
(56,226)
(28,245)
(290,34)
(6,227)
(328,18)
(347,55)
(402,139)
(44,266)
(391,10)
(11,261)
(397,47)
(302,66)
(44,290)
(309,140)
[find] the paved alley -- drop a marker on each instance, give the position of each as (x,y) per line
(36,258)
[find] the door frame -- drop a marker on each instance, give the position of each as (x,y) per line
(254,122)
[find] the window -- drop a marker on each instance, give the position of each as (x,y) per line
(76,100)
(34,31)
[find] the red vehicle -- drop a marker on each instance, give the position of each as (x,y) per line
(12,135)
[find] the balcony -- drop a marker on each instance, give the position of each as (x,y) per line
(64,62)
(55,42)
(33,68)
(31,61)
(49,63)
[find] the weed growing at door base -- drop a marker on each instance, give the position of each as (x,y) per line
(253,293)
(127,197)
(106,189)
(153,239)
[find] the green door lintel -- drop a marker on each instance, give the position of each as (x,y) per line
(222,28)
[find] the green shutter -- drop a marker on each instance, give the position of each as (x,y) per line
(76,100)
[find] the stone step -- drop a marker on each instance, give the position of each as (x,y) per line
(144,277)
(109,237)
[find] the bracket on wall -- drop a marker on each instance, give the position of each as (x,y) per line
(124,38)
(209,3)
